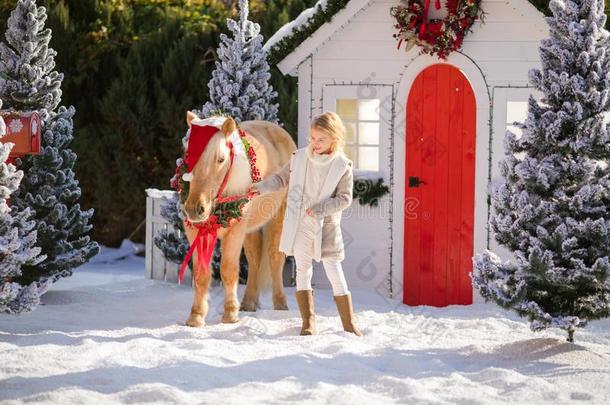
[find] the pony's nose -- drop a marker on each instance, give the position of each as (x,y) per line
(193,211)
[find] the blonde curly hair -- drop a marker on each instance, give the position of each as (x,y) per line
(331,124)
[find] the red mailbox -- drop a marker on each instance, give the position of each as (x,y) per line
(22,129)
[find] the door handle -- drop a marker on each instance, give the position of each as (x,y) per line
(415,181)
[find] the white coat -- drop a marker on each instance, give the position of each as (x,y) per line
(335,196)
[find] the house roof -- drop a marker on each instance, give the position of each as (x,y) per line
(299,38)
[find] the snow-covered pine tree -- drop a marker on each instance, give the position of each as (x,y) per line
(240,83)
(552,210)
(172,242)
(240,88)
(51,189)
(49,185)
(17,244)
(28,81)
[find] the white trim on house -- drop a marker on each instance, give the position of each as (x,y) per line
(479,86)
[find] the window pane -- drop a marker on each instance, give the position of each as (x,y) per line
(516,111)
(346,108)
(368,133)
(368,109)
(350,152)
(350,129)
(368,158)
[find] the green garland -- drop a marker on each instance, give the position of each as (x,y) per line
(226,211)
(284,46)
(368,191)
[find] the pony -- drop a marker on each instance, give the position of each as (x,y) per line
(259,229)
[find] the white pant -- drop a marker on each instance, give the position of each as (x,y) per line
(303,253)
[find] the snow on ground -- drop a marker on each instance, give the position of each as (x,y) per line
(107,335)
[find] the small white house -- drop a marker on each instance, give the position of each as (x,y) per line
(431,129)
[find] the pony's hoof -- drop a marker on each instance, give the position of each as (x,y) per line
(280,304)
(230,318)
(195,321)
(249,306)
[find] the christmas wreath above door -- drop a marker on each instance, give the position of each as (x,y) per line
(436,36)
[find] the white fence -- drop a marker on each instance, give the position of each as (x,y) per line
(157,267)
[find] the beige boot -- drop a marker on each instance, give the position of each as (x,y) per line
(305,302)
(344,306)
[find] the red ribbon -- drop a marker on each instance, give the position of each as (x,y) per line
(437,5)
(204,243)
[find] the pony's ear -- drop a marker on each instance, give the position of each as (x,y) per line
(228,126)
(190,116)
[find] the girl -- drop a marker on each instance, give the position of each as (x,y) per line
(320,181)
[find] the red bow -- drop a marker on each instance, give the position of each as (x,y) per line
(204,243)
(437,5)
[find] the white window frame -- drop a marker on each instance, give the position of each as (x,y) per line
(332,92)
(501,97)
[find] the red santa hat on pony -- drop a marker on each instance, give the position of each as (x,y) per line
(201,131)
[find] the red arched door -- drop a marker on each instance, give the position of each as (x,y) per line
(439,188)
